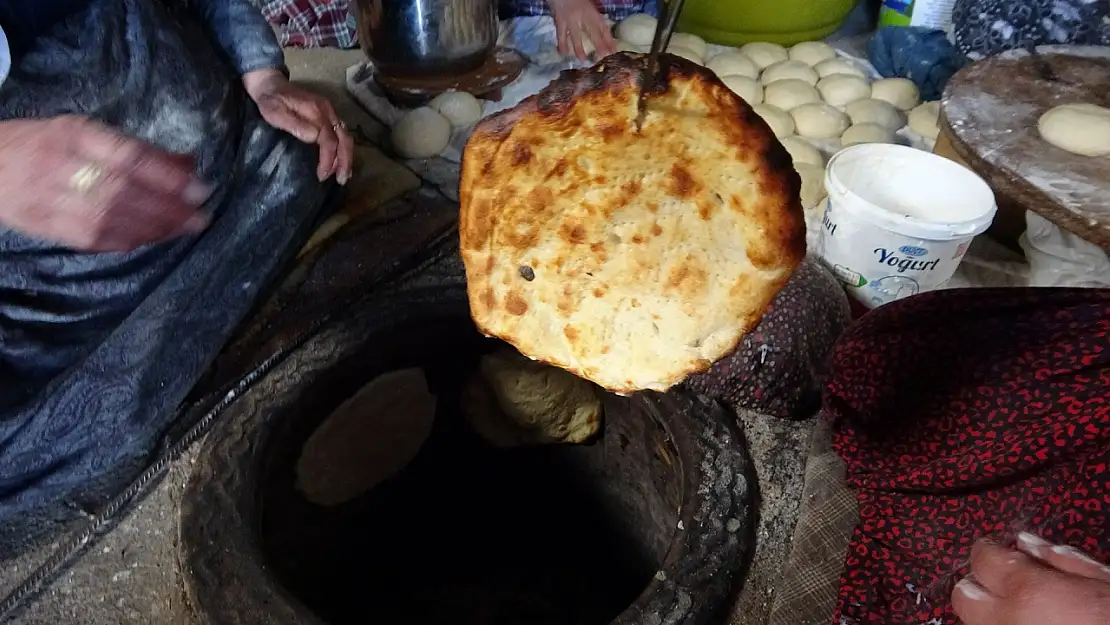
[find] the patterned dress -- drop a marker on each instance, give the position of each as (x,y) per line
(988,27)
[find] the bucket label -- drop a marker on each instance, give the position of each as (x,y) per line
(906,263)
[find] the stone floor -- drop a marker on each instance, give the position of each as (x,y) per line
(131,575)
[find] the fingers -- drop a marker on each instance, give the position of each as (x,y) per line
(345,157)
(1062,557)
(151,166)
(575,34)
(602,37)
(279,115)
(999,570)
(974,604)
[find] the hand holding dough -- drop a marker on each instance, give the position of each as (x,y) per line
(1082,129)
(819,121)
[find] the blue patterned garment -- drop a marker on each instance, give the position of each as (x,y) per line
(615,10)
(988,27)
(97,351)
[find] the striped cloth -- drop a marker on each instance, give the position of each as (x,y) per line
(312,23)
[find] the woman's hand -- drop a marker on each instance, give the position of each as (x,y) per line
(578,21)
(81,184)
(305,115)
(1035,584)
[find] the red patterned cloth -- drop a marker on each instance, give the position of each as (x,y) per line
(312,23)
(966,414)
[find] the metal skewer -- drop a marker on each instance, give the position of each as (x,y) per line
(663,31)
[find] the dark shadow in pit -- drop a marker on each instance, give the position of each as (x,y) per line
(469,534)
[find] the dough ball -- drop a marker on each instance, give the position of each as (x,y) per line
(842,89)
(812,52)
(789,93)
(873,111)
(747,88)
(685,53)
(785,70)
(518,401)
(637,29)
(924,119)
(803,152)
(421,133)
(779,120)
(764,54)
(819,121)
(690,42)
(813,184)
(368,439)
(733,64)
(832,67)
(624,46)
(460,108)
(866,133)
(901,92)
(1082,129)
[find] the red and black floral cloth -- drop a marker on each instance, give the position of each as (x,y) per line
(966,414)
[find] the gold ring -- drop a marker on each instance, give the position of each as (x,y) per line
(339,126)
(86,178)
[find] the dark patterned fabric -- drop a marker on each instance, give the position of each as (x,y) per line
(98,350)
(778,368)
(965,414)
(313,23)
(614,9)
(988,27)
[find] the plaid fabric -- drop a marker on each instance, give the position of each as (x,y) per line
(810,583)
(613,9)
(312,23)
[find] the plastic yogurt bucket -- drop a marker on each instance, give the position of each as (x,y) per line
(898,220)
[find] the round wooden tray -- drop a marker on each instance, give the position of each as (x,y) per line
(991,110)
(503,67)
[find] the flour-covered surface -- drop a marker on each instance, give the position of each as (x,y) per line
(992,108)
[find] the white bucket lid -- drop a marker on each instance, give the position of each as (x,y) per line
(910,192)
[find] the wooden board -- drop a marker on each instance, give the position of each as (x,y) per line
(991,110)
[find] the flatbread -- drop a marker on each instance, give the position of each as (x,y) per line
(630,258)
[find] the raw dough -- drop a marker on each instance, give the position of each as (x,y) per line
(784,70)
(637,29)
(460,108)
(518,401)
(748,89)
(684,52)
(368,439)
(866,133)
(842,89)
(813,184)
(690,42)
(421,133)
(764,54)
(812,52)
(819,121)
(901,92)
(733,64)
(802,151)
(789,93)
(833,67)
(925,119)
(876,112)
(625,46)
(779,120)
(1082,128)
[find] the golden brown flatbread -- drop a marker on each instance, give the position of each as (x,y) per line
(631,258)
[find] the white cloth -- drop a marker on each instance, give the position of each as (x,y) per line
(5,56)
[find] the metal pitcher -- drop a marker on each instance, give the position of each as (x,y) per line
(427,37)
